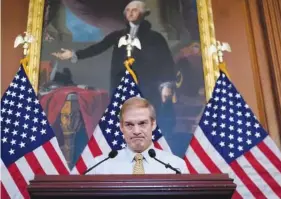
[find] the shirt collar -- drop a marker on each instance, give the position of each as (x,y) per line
(132,25)
(131,154)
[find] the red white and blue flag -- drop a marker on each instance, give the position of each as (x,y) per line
(229,139)
(28,144)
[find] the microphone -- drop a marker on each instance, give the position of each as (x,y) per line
(152,154)
(112,154)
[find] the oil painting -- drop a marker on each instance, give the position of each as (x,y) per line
(80,67)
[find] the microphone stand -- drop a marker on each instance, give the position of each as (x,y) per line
(168,166)
(84,173)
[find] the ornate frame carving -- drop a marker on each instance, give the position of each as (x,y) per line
(207,36)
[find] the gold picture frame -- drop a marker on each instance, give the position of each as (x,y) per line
(206,29)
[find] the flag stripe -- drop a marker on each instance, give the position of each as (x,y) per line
(80,165)
(34,163)
(74,171)
(221,163)
(271,169)
(246,180)
(157,145)
(25,169)
(163,144)
(4,193)
(9,183)
(224,167)
(102,146)
(55,144)
(189,166)
(55,159)
(196,162)
(240,187)
(270,144)
(87,155)
(93,162)
(18,179)
(255,177)
(45,161)
(94,148)
(271,155)
(212,167)
(210,151)
(240,190)
(263,173)
(90,159)
(236,195)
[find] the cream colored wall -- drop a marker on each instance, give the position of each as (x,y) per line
(239,24)
(13,22)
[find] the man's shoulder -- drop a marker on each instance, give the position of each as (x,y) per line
(116,34)
(121,152)
(173,160)
(121,155)
(156,34)
(168,156)
(156,37)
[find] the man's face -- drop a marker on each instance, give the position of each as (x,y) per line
(133,13)
(137,127)
(166,94)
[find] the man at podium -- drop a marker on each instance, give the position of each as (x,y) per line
(137,122)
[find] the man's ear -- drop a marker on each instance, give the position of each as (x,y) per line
(121,126)
(154,125)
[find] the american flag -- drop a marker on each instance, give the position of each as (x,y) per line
(107,135)
(28,144)
(229,139)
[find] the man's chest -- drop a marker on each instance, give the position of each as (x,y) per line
(128,167)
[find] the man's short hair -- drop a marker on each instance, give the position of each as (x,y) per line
(137,102)
(170,85)
(140,5)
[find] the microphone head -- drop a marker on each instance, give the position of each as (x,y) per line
(113,154)
(152,153)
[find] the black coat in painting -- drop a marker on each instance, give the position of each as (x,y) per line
(153,63)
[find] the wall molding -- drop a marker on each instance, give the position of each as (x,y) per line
(271,18)
(264,36)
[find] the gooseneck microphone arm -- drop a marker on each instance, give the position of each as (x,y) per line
(168,166)
(152,154)
(112,154)
(95,166)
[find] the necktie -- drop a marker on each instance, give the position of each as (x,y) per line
(138,168)
(133,31)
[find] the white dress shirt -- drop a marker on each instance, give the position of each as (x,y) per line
(124,162)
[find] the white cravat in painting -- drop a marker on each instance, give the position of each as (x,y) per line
(133,29)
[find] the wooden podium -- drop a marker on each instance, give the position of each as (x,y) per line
(129,186)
